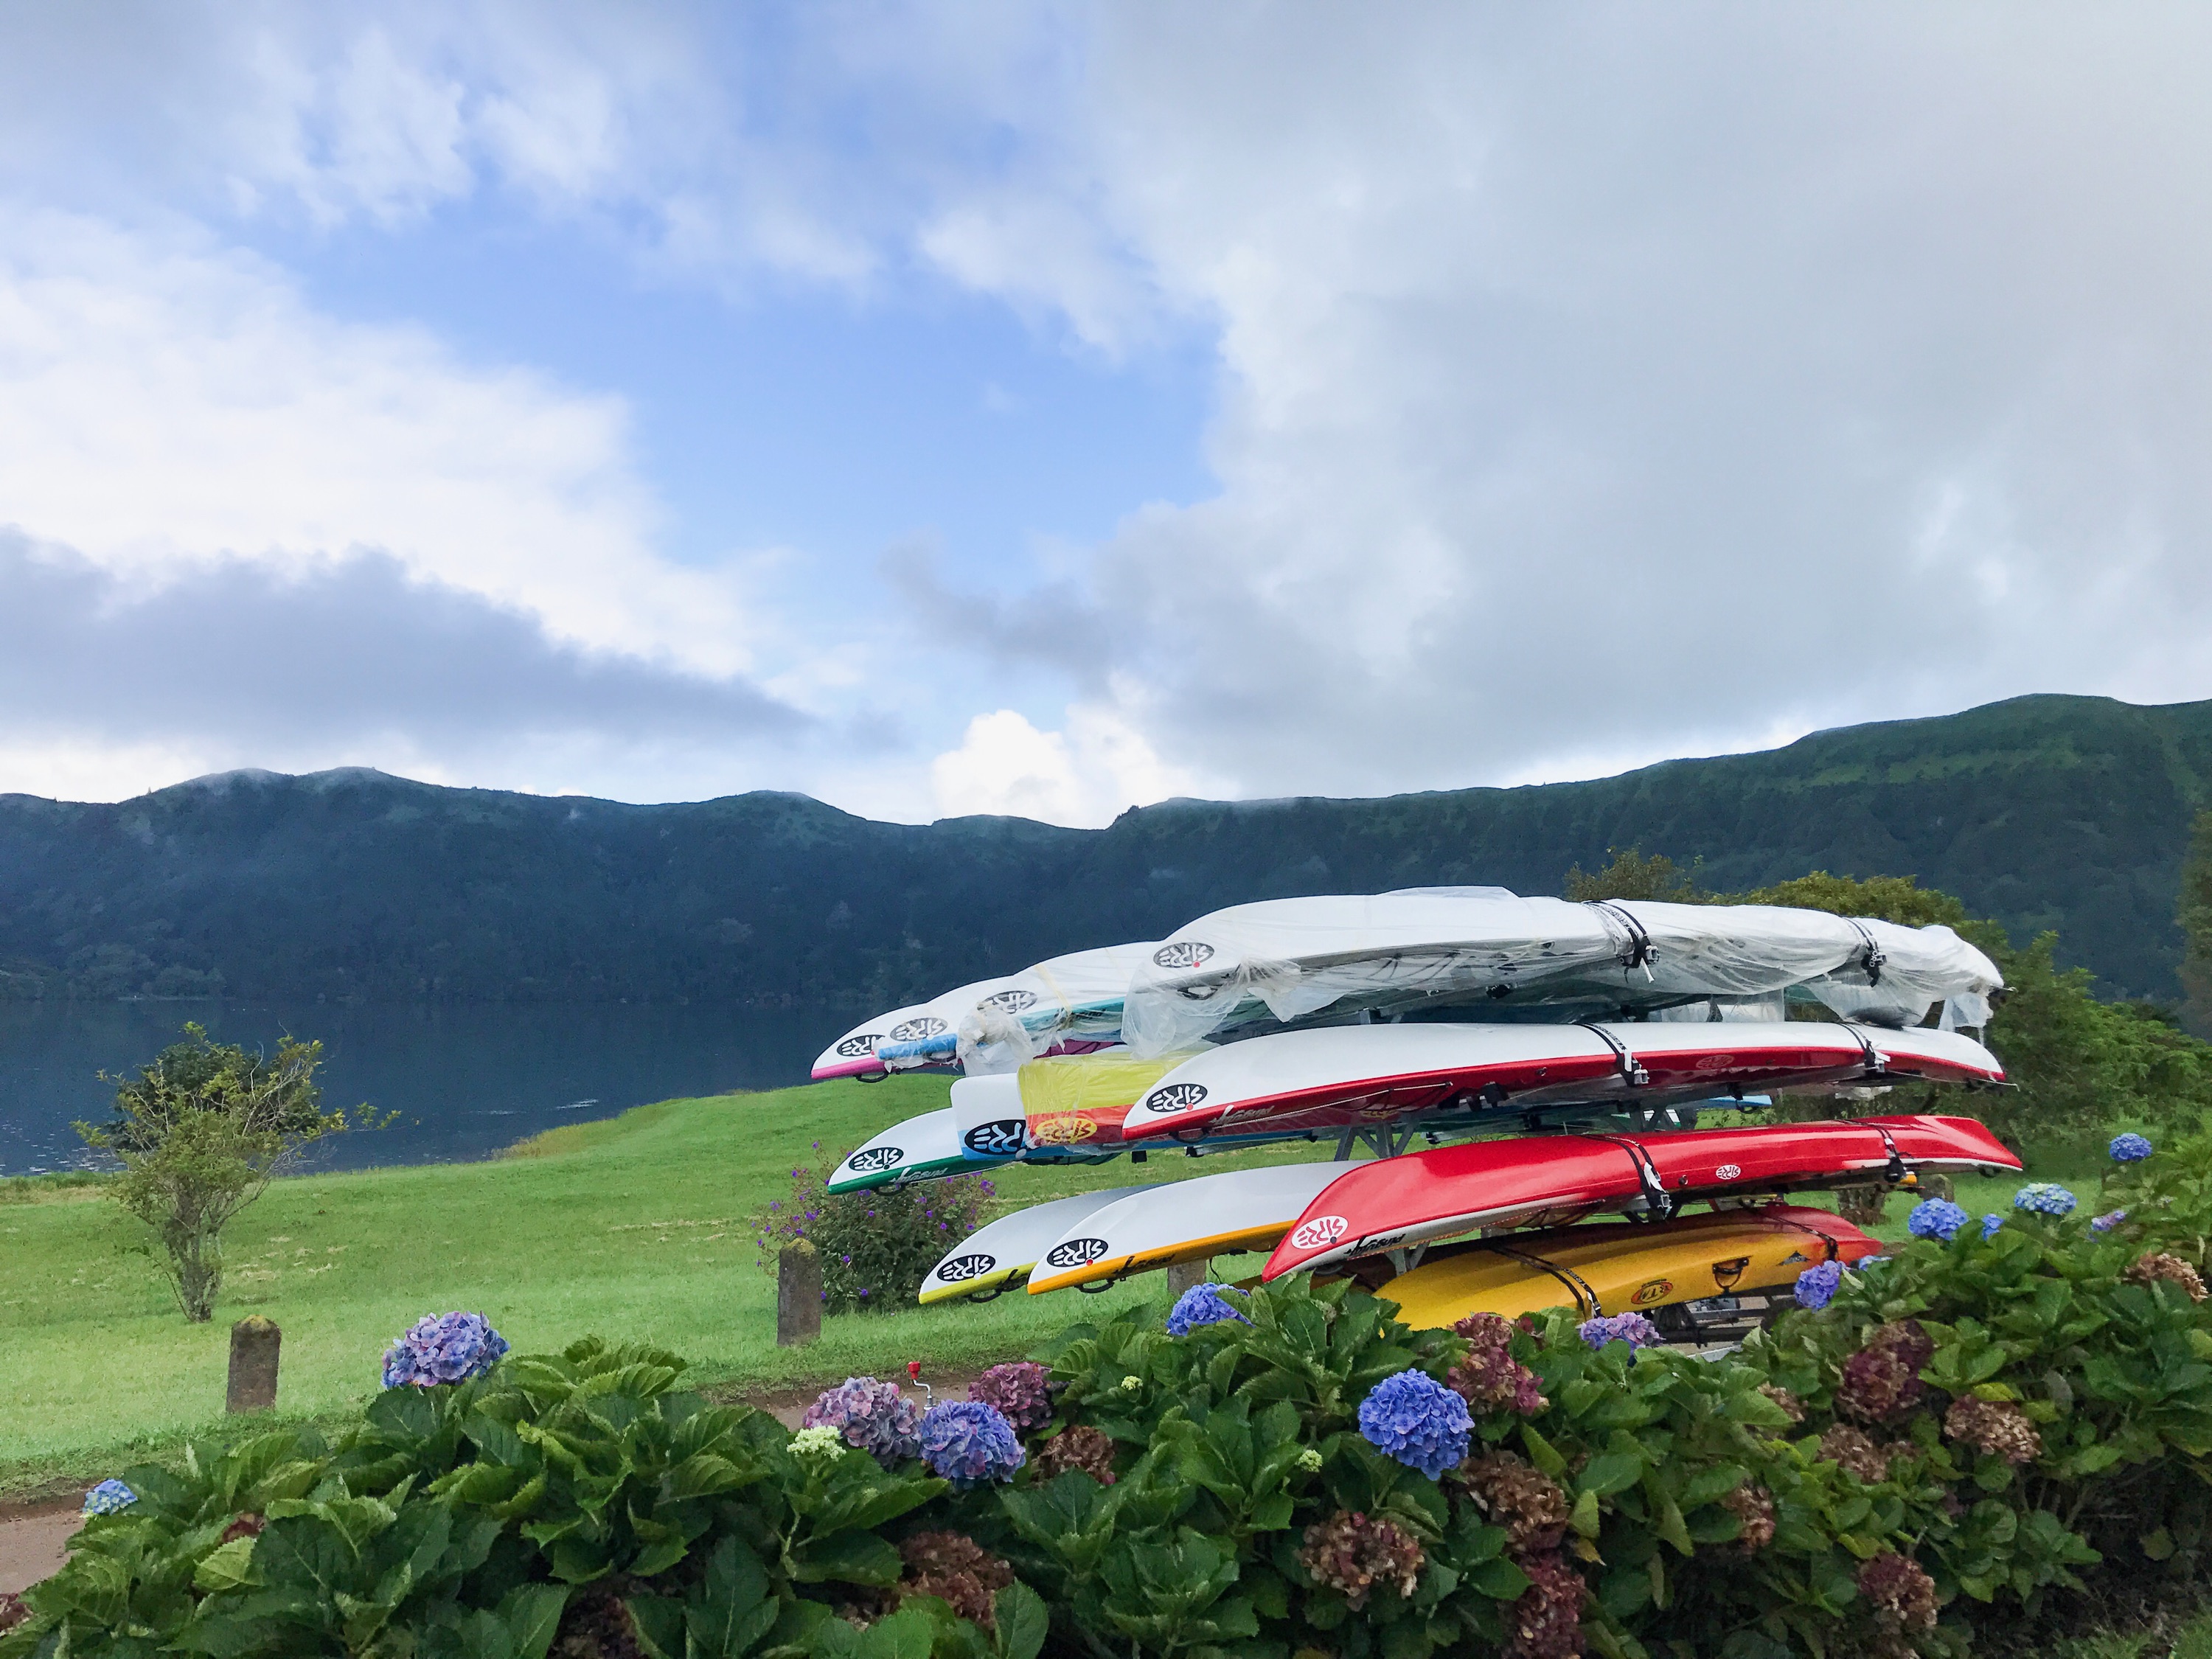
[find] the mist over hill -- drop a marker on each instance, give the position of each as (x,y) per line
(2043,811)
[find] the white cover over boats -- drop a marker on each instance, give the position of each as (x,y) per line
(1063,1005)
(1391,954)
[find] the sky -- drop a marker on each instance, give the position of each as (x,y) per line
(1049,408)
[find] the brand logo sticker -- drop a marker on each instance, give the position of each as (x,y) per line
(1066,1131)
(854,1047)
(869,1159)
(1174,1098)
(1012,1002)
(1728,1172)
(914,1030)
(1651,1291)
(965,1267)
(1321,1231)
(1075,1253)
(1000,1139)
(1715,1062)
(1183,953)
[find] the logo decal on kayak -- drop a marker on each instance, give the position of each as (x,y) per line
(1651,1291)
(1728,1172)
(1000,1139)
(854,1047)
(1066,1131)
(1183,953)
(1321,1231)
(914,1030)
(1012,1002)
(1175,1097)
(1715,1062)
(965,1267)
(869,1159)
(1794,1258)
(1076,1253)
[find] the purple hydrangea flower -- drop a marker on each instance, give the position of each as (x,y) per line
(874,1417)
(2045,1198)
(1934,1217)
(2130,1149)
(108,1497)
(1019,1390)
(450,1347)
(968,1443)
(1633,1329)
(1416,1419)
(2106,1222)
(1816,1286)
(1202,1304)
(1990,1224)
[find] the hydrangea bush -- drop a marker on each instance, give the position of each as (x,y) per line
(876,1246)
(873,1416)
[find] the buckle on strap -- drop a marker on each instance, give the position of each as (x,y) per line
(1656,1199)
(1872,958)
(1631,1073)
(1640,949)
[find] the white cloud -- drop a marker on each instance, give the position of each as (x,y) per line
(1085,775)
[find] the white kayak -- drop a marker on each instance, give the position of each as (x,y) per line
(915,1150)
(1330,1078)
(853,1054)
(1060,1006)
(1282,961)
(1182,1221)
(991,1256)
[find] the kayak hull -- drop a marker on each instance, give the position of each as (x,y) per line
(1159,1226)
(1615,1267)
(989,1256)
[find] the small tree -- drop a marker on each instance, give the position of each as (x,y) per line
(201,1132)
(1633,875)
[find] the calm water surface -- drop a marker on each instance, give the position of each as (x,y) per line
(464,1081)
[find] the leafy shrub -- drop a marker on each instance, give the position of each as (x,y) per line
(877,1247)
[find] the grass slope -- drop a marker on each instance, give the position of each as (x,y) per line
(633,1229)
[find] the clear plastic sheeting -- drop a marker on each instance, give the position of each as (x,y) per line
(1391,954)
(994,1025)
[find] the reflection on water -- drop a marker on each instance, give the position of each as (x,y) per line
(464,1080)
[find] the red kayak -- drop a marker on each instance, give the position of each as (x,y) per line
(1337,1077)
(1549,1180)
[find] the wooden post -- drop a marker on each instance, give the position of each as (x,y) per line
(1188,1275)
(798,1295)
(254,1342)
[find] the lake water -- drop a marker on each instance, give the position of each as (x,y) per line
(466,1081)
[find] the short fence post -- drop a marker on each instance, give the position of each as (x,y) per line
(254,1342)
(1188,1275)
(798,1295)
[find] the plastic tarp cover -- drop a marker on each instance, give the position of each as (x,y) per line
(1289,959)
(995,1024)
(855,1052)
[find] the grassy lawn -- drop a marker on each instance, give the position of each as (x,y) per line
(631,1229)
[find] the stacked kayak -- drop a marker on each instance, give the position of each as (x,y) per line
(1527,1076)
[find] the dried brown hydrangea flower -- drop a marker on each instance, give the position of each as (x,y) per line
(1900,1592)
(1754,1505)
(953,1567)
(1859,1453)
(1490,1379)
(1993,1426)
(1792,1407)
(1081,1448)
(1881,1382)
(1517,1496)
(1351,1553)
(1546,1622)
(2155,1265)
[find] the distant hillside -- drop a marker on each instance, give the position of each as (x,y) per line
(2048,811)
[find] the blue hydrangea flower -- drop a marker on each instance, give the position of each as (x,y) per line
(968,1443)
(874,1417)
(109,1497)
(1934,1217)
(1202,1304)
(2130,1149)
(2106,1222)
(1990,1224)
(1816,1286)
(1416,1419)
(1633,1329)
(2045,1198)
(443,1348)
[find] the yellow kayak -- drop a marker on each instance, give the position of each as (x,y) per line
(1623,1268)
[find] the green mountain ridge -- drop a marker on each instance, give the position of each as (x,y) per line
(2043,811)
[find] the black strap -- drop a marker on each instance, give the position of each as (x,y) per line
(1872,958)
(1584,1297)
(1656,1198)
(1640,951)
(1876,1065)
(1631,1073)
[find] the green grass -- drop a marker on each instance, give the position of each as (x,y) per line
(632,1229)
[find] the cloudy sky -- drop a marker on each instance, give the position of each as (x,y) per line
(1045,408)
